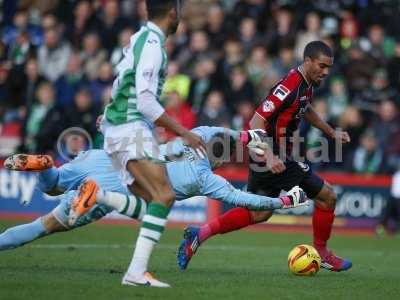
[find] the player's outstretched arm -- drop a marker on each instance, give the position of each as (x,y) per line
(315,120)
(191,139)
(218,188)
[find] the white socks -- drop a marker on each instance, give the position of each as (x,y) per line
(130,206)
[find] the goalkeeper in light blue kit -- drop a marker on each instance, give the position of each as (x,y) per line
(189,176)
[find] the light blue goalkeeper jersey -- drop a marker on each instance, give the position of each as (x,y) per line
(189,176)
(94,164)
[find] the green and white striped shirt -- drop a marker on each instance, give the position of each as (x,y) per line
(143,68)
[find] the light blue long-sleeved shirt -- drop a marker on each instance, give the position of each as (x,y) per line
(94,164)
(194,177)
(189,177)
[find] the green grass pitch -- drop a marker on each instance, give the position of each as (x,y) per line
(88,263)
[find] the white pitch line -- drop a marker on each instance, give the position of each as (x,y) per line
(161,246)
(233,248)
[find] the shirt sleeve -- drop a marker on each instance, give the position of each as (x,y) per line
(148,66)
(273,102)
(148,106)
(282,93)
(207,132)
(218,188)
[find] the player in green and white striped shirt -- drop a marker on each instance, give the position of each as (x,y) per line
(128,125)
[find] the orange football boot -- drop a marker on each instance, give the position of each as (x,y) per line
(85,200)
(28,162)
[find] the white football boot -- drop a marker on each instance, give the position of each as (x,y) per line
(145,280)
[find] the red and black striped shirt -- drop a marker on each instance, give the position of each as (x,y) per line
(283,108)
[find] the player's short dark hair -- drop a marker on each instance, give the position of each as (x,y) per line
(159,8)
(315,48)
(222,146)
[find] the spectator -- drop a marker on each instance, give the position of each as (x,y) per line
(337,99)
(21,49)
(358,67)
(45,102)
(216,27)
(177,44)
(104,80)
(70,82)
(285,61)
(199,48)
(83,113)
(377,45)
(349,30)
(379,90)
(31,81)
(239,89)
(386,123)
(248,36)
(214,112)
(202,84)
(49,21)
(53,55)
(368,157)
(257,68)
(280,31)
(180,110)
(233,56)
(177,82)
(245,111)
(83,21)
(351,121)
(92,55)
(112,24)
(21,24)
(312,33)
(240,47)
(255,9)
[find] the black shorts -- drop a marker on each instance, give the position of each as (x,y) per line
(269,184)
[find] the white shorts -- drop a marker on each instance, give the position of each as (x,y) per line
(130,141)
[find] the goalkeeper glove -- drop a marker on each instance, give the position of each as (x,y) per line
(255,140)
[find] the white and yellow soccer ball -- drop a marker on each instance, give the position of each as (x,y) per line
(304,260)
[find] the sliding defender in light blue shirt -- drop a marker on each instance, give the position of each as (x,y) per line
(189,175)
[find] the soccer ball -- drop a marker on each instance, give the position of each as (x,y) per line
(304,260)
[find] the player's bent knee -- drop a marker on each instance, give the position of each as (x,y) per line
(51,224)
(165,195)
(329,196)
(332,199)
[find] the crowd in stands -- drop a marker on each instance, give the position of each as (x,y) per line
(58,59)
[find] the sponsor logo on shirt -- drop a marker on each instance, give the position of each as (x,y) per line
(301,112)
(268,106)
(147,74)
(304,166)
(281,92)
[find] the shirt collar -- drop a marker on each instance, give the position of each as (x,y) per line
(301,71)
(157,29)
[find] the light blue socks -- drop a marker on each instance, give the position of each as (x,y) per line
(19,235)
(48,179)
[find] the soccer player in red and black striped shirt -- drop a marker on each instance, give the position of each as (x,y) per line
(280,115)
